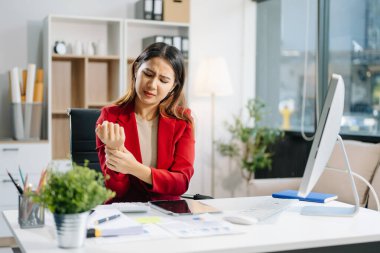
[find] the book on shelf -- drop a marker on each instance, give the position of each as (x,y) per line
(144,9)
(185,47)
(152,39)
(157,9)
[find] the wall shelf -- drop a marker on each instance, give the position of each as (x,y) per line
(90,57)
(22,141)
(156,23)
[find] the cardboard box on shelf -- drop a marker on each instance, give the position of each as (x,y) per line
(177,11)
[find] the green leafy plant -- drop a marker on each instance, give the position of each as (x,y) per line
(77,190)
(249,141)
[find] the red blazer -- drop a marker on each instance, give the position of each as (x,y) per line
(175,158)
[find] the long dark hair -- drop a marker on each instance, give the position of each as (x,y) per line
(174,104)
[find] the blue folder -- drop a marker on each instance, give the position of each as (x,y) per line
(312,197)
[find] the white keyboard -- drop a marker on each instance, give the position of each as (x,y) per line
(266,208)
(129,207)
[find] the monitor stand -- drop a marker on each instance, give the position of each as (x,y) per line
(337,211)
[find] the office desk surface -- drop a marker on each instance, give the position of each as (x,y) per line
(284,232)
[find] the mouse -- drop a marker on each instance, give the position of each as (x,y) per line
(240,220)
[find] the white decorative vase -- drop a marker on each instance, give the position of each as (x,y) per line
(101,48)
(77,48)
(90,48)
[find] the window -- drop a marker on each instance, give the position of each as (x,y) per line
(286,61)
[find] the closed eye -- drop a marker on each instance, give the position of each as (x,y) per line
(148,74)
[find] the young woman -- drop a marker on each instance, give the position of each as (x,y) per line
(145,142)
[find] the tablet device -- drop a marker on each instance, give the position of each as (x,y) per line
(182,207)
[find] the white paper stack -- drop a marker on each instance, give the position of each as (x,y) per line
(122,225)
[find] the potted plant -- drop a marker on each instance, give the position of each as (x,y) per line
(70,196)
(249,143)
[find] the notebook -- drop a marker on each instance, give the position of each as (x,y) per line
(312,197)
(122,225)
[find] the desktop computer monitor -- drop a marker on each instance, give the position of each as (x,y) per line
(326,136)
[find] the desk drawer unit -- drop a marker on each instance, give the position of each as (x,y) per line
(32,157)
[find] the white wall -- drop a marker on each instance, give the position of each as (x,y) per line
(219,28)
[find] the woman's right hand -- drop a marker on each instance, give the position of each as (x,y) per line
(111,134)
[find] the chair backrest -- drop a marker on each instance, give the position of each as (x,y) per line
(82,136)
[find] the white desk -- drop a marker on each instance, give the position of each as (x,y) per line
(285,232)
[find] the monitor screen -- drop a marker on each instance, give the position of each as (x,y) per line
(325,136)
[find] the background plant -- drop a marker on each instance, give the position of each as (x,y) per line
(77,190)
(250,142)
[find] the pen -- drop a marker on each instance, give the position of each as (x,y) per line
(19,189)
(107,219)
(22,177)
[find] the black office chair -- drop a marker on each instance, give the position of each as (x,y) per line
(83,141)
(82,136)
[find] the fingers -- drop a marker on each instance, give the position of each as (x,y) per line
(111,134)
(111,131)
(119,157)
(98,127)
(112,155)
(98,131)
(111,152)
(122,133)
(104,129)
(111,166)
(112,160)
(117,131)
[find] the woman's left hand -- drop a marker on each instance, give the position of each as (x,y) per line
(120,161)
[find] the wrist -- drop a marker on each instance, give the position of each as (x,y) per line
(142,172)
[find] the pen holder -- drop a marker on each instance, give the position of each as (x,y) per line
(30,214)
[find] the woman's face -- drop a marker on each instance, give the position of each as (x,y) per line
(154,80)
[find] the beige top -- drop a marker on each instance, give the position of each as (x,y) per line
(147,131)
